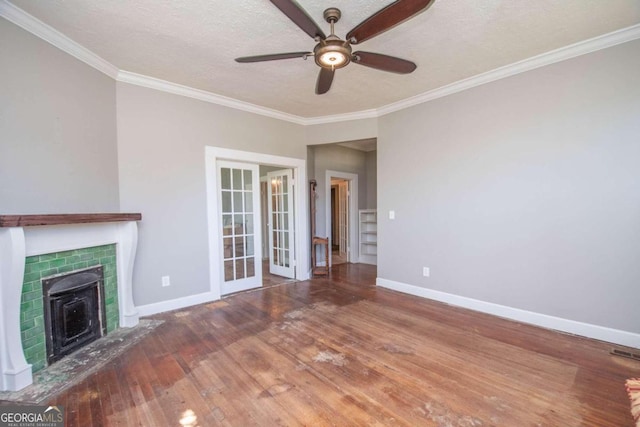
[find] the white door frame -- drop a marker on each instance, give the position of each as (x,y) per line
(302,243)
(343,238)
(353,254)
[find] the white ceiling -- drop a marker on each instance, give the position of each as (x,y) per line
(194,43)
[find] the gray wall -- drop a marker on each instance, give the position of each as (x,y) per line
(161,147)
(58,150)
(341,159)
(524,192)
(371,170)
(352,130)
(323,137)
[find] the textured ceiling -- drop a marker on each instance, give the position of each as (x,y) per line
(194,43)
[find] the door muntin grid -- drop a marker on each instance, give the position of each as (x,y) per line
(280,225)
(238,223)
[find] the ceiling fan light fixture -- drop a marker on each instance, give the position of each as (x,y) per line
(332,54)
(332,59)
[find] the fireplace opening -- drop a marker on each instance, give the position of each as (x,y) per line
(74,311)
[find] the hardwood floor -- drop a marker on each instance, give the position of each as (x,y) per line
(340,351)
(336,258)
(269,279)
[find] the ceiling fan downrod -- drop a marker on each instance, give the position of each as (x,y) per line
(332,15)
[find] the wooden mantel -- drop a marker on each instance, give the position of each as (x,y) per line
(61,219)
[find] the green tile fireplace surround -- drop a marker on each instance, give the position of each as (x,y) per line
(38,267)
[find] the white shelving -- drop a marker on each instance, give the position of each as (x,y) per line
(368,220)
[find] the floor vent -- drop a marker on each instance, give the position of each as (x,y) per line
(627,354)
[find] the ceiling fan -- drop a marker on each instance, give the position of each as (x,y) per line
(331,52)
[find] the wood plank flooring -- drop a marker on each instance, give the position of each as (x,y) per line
(340,351)
(269,279)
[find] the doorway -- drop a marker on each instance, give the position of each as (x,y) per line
(296,243)
(339,220)
(342,216)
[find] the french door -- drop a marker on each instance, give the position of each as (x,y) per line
(280,223)
(239,219)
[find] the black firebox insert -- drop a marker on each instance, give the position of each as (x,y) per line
(74,312)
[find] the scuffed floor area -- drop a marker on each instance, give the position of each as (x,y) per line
(77,366)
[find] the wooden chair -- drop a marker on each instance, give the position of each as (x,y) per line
(315,240)
(317,270)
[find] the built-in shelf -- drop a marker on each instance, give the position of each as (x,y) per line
(368,220)
(62,219)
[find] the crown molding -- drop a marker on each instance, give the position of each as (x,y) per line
(581,48)
(47,33)
(202,95)
(33,25)
(356,115)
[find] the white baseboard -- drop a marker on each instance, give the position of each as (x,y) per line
(175,304)
(602,333)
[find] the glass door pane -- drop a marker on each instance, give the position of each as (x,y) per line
(281,250)
(239,194)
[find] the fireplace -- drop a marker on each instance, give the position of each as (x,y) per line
(74,311)
(25,237)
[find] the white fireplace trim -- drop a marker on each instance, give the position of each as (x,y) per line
(16,372)
(18,243)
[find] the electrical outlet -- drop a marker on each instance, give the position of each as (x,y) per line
(426,271)
(166,281)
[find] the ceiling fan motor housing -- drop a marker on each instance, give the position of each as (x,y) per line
(332,53)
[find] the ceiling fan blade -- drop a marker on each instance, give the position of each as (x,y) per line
(325,78)
(299,17)
(384,62)
(386,18)
(273,57)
